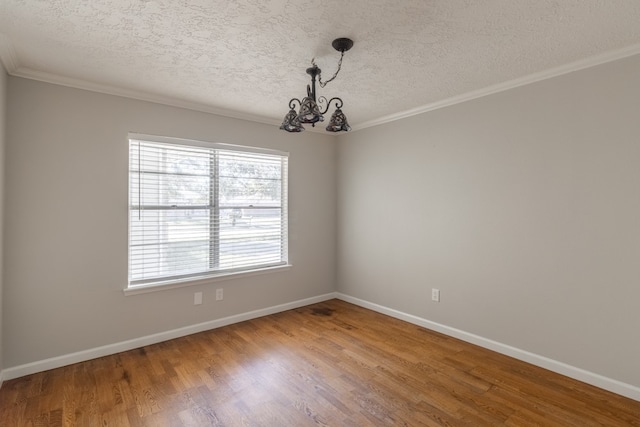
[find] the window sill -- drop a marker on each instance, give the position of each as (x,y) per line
(193,281)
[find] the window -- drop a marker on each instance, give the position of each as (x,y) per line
(198,209)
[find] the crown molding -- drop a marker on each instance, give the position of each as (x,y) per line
(511,84)
(148,97)
(139,95)
(11,64)
(10,61)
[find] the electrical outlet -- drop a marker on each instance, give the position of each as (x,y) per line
(197,298)
(435,295)
(219,294)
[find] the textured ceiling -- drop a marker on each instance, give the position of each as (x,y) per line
(247,58)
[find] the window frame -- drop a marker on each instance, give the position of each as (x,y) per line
(213,273)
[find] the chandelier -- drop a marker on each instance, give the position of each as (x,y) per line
(310,106)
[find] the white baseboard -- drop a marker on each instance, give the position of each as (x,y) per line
(81,356)
(597,380)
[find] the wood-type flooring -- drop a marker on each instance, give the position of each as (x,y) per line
(327,364)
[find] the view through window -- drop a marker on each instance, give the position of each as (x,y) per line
(199,210)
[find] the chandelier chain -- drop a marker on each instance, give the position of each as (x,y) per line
(323,84)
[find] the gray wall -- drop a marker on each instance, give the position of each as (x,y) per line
(522,207)
(3,109)
(66,222)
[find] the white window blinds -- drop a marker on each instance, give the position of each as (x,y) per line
(195,210)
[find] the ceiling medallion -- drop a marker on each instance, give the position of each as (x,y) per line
(309,111)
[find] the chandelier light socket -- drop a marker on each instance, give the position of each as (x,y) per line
(291,122)
(338,122)
(309,111)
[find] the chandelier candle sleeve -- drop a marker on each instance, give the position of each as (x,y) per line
(310,110)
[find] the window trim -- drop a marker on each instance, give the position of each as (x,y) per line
(204,277)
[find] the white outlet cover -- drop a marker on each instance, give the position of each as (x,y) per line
(197,298)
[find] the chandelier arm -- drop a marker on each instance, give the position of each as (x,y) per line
(292,104)
(323,100)
(323,84)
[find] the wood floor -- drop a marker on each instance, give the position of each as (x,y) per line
(332,364)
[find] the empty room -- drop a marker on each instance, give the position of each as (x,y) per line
(291,213)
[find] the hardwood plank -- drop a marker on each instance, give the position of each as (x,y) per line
(328,364)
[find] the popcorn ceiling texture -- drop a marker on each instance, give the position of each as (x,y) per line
(250,56)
